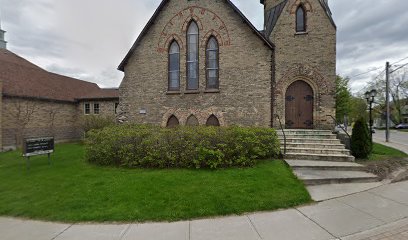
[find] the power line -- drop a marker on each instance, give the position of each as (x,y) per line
(399,67)
(366,72)
(399,61)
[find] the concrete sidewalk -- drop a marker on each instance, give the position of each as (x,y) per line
(380,214)
(398,140)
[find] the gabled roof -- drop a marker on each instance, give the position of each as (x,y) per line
(21,78)
(156,14)
(274,13)
(326,7)
(272,17)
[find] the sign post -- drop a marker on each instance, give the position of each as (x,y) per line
(38,146)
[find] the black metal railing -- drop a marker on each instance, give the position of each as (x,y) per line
(284,134)
(339,125)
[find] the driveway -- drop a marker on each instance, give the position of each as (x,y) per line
(398,140)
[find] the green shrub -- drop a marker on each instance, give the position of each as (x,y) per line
(92,122)
(183,147)
(361,145)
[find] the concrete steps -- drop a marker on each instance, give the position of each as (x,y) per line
(320,157)
(317,157)
(320,151)
(313,177)
(314,145)
(323,165)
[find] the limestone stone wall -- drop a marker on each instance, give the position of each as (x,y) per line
(309,56)
(244,96)
(33,118)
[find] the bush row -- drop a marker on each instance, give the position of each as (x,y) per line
(183,147)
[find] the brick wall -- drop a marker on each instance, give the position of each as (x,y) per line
(106,107)
(1,115)
(244,97)
(310,57)
(43,118)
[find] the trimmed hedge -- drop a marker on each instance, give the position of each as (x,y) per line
(361,145)
(144,146)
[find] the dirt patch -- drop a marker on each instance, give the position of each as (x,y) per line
(384,168)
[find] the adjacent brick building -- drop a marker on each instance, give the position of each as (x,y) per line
(38,103)
(202,62)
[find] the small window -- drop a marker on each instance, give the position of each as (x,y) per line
(212,63)
(173,122)
(87,108)
(96,108)
(301,19)
(192,121)
(213,121)
(174,67)
(116,107)
(192,56)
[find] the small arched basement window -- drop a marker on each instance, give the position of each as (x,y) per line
(174,66)
(212,63)
(192,56)
(173,122)
(192,121)
(213,121)
(301,19)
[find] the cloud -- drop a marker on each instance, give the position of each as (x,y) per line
(88,39)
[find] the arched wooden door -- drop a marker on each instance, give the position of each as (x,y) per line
(299,106)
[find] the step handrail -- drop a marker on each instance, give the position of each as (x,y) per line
(337,124)
(284,134)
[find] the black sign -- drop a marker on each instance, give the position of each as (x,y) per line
(38,146)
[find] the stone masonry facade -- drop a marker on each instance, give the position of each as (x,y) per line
(245,62)
(309,56)
(253,78)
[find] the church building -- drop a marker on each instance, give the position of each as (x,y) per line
(202,62)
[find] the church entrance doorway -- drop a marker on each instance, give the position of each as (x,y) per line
(299,106)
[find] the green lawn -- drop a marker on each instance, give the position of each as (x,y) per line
(71,190)
(381,152)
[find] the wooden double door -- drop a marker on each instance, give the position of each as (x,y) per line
(299,106)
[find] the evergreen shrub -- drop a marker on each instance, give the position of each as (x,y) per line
(144,146)
(361,145)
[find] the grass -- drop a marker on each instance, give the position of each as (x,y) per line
(381,152)
(71,190)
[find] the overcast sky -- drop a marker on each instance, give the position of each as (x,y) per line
(87,39)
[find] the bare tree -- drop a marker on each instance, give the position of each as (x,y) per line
(398,93)
(22,112)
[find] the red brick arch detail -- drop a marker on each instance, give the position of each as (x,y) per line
(209,34)
(305,3)
(178,40)
(188,20)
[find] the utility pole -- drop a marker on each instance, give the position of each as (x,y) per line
(387,96)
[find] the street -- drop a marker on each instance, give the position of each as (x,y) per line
(398,139)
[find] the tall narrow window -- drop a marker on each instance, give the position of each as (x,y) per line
(212,64)
(301,19)
(174,67)
(192,56)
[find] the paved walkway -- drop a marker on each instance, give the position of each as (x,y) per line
(398,140)
(377,214)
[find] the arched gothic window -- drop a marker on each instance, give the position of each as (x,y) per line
(192,56)
(174,66)
(213,121)
(212,64)
(192,121)
(173,122)
(300,19)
